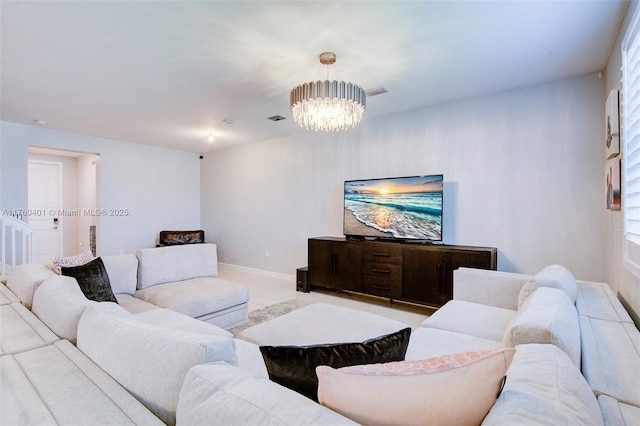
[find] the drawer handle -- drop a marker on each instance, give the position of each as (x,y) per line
(381,287)
(381,271)
(381,254)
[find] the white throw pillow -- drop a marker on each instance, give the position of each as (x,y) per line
(451,389)
(556,276)
(547,316)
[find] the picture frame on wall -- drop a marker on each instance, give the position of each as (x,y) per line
(613,184)
(612,125)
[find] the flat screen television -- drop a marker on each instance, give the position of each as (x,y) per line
(406,208)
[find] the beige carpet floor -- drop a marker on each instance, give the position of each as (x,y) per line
(265,314)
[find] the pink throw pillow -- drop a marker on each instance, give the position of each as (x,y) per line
(451,389)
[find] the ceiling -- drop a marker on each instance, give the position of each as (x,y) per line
(168,73)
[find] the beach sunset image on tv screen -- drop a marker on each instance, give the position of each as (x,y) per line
(404,208)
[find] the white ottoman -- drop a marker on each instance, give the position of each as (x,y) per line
(321,323)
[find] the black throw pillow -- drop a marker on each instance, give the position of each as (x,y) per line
(93,280)
(295,366)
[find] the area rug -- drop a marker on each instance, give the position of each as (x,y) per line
(265,314)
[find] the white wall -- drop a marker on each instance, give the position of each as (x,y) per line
(88,182)
(160,187)
(618,277)
(523,173)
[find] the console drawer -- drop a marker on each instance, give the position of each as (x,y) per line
(382,253)
(385,271)
(380,286)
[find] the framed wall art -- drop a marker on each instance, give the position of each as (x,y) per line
(613,184)
(612,125)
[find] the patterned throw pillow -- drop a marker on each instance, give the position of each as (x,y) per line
(77,260)
(451,389)
(419,366)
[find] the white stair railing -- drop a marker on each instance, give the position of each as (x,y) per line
(16,243)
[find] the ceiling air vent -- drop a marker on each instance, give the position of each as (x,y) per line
(276,118)
(376,91)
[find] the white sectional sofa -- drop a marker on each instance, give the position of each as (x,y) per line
(596,335)
(161,366)
(182,278)
(565,370)
(186,283)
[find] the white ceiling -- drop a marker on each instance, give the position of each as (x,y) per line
(167,73)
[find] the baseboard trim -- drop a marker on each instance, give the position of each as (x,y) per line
(262,272)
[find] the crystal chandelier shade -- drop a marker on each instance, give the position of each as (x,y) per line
(328,105)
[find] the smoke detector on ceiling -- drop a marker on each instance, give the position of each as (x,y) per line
(276,118)
(376,91)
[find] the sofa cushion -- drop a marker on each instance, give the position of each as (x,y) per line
(59,303)
(596,300)
(220,394)
(176,263)
(133,305)
(195,297)
(611,358)
(421,344)
(228,318)
(615,412)
(21,330)
(123,273)
(93,280)
(7,296)
(474,319)
(488,287)
(250,359)
(57,384)
(25,279)
(556,276)
(450,389)
(149,361)
(177,321)
(295,366)
(70,261)
(547,316)
(552,392)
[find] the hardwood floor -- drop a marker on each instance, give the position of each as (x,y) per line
(266,290)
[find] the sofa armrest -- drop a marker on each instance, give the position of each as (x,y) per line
(149,361)
(488,287)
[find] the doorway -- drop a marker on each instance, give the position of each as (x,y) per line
(45,201)
(73,223)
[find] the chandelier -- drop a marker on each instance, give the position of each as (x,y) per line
(328,105)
